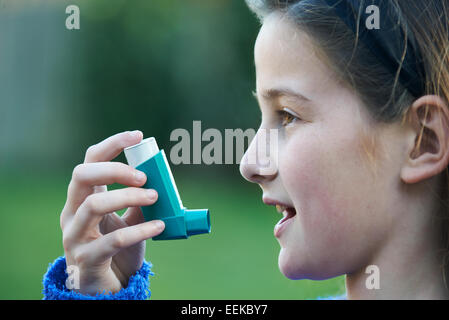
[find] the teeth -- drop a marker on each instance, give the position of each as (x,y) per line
(280,208)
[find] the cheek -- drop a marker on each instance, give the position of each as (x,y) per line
(313,176)
(326,181)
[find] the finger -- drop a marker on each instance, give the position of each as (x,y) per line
(87,175)
(111,243)
(111,222)
(111,147)
(133,216)
(104,173)
(97,205)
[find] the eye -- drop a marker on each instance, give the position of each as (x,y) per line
(287,117)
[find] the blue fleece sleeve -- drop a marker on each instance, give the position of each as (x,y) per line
(55,287)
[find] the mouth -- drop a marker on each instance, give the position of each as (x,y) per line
(288,213)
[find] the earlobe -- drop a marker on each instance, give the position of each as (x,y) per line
(428,153)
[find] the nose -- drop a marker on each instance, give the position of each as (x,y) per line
(256,166)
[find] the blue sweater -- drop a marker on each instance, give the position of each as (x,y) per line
(55,287)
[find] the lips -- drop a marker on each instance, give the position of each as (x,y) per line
(288,213)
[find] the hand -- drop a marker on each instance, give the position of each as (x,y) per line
(106,248)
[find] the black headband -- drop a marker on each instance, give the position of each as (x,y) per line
(389,42)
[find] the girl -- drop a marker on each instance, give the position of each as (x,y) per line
(360,161)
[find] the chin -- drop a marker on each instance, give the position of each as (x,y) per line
(295,268)
(290,267)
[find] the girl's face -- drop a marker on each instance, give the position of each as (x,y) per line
(335,178)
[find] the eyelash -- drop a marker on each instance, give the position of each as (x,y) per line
(283,114)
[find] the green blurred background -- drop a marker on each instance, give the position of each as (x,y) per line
(151,65)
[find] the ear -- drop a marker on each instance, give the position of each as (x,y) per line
(428,150)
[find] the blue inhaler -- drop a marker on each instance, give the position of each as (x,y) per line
(180,223)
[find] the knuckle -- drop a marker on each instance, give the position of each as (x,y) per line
(118,240)
(71,188)
(61,222)
(63,218)
(78,172)
(68,242)
(91,150)
(91,203)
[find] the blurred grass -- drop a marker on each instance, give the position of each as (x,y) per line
(238,260)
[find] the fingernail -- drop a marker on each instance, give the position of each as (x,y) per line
(139,176)
(152,194)
(159,224)
(135,133)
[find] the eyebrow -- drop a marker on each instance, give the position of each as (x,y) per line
(274,93)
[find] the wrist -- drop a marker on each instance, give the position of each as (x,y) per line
(55,285)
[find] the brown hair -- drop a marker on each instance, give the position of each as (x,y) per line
(386,98)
